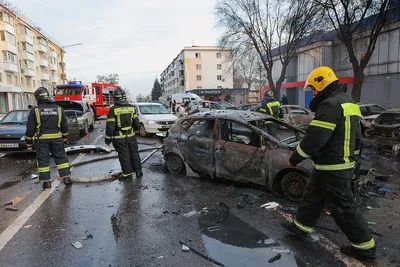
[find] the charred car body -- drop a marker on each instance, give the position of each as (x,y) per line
(234,145)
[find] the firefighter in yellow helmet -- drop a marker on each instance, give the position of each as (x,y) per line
(333,143)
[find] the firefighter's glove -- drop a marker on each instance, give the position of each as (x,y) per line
(295,159)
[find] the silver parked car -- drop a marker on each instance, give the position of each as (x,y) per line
(78,113)
(236,145)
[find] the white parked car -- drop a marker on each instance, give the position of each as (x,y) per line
(154,118)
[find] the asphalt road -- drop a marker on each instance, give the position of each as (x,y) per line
(141,222)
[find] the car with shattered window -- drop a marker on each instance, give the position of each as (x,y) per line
(80,116)
(242,146)
(385,130)
(154,118)
(297,116)
(12,131)
(369,112)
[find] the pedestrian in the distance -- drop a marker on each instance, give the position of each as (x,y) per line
(333,143)
(284,100)
(48,125)
(122,123)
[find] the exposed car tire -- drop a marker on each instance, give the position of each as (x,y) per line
(85,130)
(293,184)
(142,130)
(175,164)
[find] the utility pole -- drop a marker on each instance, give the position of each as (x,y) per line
(63,77)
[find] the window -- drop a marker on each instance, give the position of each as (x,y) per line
(235,132)
(9,78)
(219,66)
(6,36)
(16,80)
(198,77)
(199,87)
(376,110)
(22,81)
(7,18)
(28,47)
(364,111)
(42,41)
(28,31)
(218,55)
(219,77)
(34,83)
(202,128)
(198,67)
(198,55)
(219,87)
(28,82)
(1,77)
(28,64)
(9,57)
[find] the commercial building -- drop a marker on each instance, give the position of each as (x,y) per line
(208,68)
(30,59)
(382,74)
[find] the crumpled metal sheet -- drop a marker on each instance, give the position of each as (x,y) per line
(87,148)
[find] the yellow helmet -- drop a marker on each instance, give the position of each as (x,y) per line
(320,78)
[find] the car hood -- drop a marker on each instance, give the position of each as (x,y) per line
(159,117)
(70,105)
(16,130)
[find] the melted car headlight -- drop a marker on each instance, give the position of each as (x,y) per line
(151,122)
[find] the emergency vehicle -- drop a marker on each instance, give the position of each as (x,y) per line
(100,95)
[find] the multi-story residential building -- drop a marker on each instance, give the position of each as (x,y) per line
(198,67)
(382,73)
(30,59)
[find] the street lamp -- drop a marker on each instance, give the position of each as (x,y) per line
(62,59)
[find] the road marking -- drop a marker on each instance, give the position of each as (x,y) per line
(17,224)
(328,245)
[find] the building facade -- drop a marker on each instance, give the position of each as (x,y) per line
(30,59)
(198,67)
(382,74)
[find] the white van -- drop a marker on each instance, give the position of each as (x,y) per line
(182,98)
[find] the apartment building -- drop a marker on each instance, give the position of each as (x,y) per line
(30,59)
(198,67)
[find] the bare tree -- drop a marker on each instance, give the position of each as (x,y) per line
(273,28)
(108,78)
(10,6)
(348,18)
(246,68)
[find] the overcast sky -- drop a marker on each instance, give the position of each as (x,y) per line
(135,38)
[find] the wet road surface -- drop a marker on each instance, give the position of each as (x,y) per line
(141,222)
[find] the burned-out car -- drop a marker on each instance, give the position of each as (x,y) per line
(297,116)
(242,146)
(385,129)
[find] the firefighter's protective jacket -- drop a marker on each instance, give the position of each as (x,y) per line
(46,121)
(122,122)
(333,138)
(272,107)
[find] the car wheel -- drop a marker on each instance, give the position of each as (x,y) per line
(142,130)
(175,164)
(85,130)
(293,184)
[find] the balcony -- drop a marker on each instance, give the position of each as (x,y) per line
(54,79)
(53,54)
(10,28)
(9,47)
(28,56)
(25,38)
(53,67)
(43,63)
(41,48)
(10,66)
(44,77)
(28,72)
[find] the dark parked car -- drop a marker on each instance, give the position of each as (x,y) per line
(80,116)
(12,131)
(235,145)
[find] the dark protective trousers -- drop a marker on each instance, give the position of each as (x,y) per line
(56,148)
(325,188)
(128,155)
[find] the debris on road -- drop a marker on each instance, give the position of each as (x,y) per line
(185,248)
(371,223)
(270,205)
(77,245)
(287,251)
(88,237)
(369,208)
(147,143)
(213,228)
(275,258)
(27,226)
(200,253)
(173,253)
(9,204)
(34,176)
(384,190)
(86,149)
(190,214)
(12,209)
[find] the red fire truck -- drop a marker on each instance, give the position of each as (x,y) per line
(100,96)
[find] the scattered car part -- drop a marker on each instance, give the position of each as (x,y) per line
(77,245)
(11,209)
(86,149)
(275,258)
(270,205)
(201,254)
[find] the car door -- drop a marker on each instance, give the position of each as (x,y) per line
(196,143)
(90,115)
(238,153)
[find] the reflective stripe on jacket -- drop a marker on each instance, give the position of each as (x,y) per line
(122,121)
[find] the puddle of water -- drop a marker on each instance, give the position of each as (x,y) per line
(233,242)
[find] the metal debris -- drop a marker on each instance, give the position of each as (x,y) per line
(86,148)
(200,253)
(28,226)
(190,214)
(77,245)
(275,258)
(12,209)
(185,248)
(287,251)
(270,205)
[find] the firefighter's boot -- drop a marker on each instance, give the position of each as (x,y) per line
(139,174)
(67,180)
(46,185)
(364,255)
(291,228)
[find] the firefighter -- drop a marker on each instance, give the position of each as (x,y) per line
(273,108)
(122,122)
(332,142)
(48,125)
